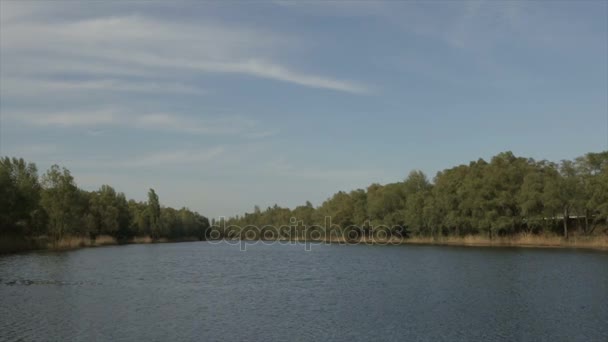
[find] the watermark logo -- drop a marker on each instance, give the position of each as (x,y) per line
(296,232)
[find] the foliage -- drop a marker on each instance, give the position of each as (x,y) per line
(55,207)
(506,196)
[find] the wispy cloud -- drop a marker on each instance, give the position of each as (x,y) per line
(97,119)
(335,8)
(277,72)
(151,44)
(32,87)
(66,119)
(173,158)
(225,125)
(176,157)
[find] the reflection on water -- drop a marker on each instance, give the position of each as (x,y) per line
(201,291)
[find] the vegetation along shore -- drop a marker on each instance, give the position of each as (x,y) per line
(507,201)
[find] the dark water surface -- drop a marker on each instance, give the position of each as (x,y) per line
(211,292)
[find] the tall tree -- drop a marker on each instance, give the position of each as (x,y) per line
(154,214)
(108,213)
(20,211)
(592,169)
(62,202)
(417,192)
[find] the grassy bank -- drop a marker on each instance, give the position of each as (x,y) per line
(13,244)
(523,240)
(598,242)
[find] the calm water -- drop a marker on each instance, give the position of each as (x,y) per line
(207,292)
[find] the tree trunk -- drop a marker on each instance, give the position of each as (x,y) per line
(593,225)
(586,221)
(566,222)
(555,221)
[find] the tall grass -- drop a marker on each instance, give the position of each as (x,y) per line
(70,242)
(142,239)
(520,240)
(14,244)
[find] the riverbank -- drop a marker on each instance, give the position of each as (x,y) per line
(597,242)
(11,244)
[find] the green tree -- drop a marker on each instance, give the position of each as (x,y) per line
(108,213)
(532,199)
(592,169)
(154,214)
(61,200)
(20,211)
(417,190)
(140,218)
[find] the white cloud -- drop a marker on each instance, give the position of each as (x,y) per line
(66,119)
(152,45)
(335,8)
(32,88)
(96,119)
(173,158)
(163,121)
(273,71)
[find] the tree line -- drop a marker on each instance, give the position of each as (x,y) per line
(53,206)
(507,195)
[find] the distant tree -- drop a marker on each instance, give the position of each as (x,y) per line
(20,211)
(417,193)
(108,213)
(505,196)
(448,197)
(340,208)
(593,171)
(531,197)
(303,213)
(140,218)
(386,204)
(61,200)
(154,214)
(359,200)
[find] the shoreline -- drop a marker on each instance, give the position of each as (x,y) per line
(595,242)
(9,245)
(14,245)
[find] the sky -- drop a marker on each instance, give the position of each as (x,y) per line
(220,106)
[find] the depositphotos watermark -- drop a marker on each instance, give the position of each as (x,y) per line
(296,232)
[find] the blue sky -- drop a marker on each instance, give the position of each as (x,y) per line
(223,105)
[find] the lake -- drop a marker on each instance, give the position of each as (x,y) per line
(203,291)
